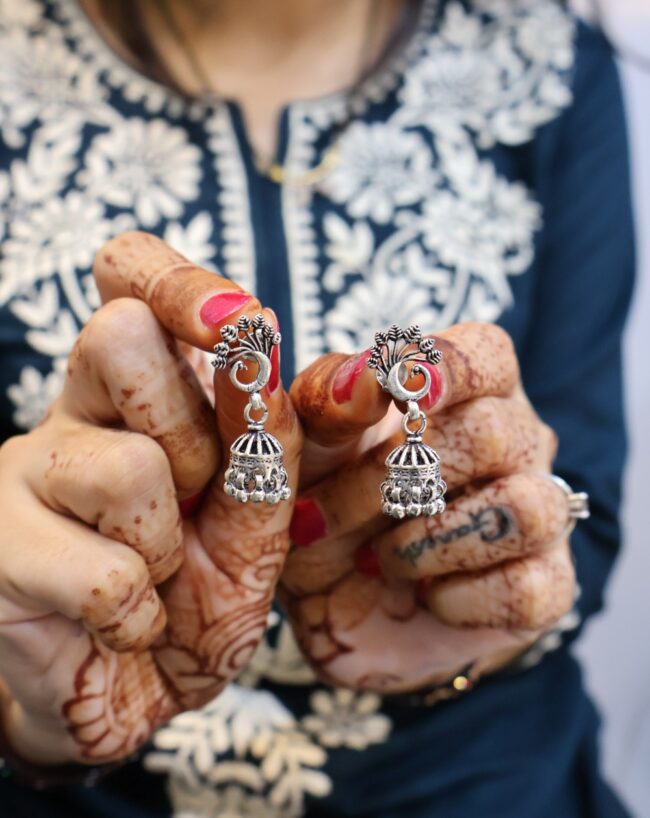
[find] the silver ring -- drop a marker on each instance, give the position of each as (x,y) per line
(577,503)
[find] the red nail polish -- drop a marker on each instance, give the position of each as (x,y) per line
(347,375)
(433,395)
(307,523)
(190,504)
(274,379)
(220,306)
(366,561)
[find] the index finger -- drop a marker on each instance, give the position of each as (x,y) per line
(192,303)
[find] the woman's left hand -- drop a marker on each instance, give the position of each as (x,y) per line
(394,606)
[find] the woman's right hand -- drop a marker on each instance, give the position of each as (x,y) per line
(116,614)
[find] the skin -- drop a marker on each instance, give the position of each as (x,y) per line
(115,613)
(265,55)
(478,583)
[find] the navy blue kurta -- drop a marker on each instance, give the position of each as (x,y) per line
(485,176)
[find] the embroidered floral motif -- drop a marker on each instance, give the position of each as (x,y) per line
(41,79)
(272,754)
(148,166)
(230,802)
(35,392)
(500,73)
(492,72)
(55,237)
(193,240)
(377,302)
(22,14)
(405,178)
(282,663)
(343,718)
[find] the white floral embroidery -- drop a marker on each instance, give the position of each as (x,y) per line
(344,718)
(272,754)
(149,166)
(134,86)
(482,224)
(501,76)
(230,802)
(35,392)
(41,79)
(194,239)
(56,237)
(377,302)
(23,14)
(381,168)
(486,75)
(283,663)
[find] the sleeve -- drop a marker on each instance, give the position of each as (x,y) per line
(571,357)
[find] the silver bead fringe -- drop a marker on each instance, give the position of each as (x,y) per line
(413,485)
(256,470)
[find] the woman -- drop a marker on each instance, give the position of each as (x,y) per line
(353,165)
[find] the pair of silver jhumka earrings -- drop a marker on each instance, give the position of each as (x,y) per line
(256,471)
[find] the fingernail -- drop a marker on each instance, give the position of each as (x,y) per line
(190,504)
(221,306)
(307,523)
(366,561)
(433,395)
(274,380)
(347,376)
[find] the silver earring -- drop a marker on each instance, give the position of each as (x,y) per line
(256,471)
(413,485)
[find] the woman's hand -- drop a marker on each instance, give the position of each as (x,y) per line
(398,605)
(115,614)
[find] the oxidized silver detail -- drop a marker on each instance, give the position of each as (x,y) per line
(413,484)
(256,470)
(577,503)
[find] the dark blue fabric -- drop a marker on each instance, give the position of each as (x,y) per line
(524,746)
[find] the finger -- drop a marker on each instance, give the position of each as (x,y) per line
(487,437)
(477,359)
(119,482)
(530,593)
(58,564)
(510,518)
(338,397)
(125,367)
(189,301)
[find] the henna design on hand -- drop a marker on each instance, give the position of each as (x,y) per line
(119,701)
(217,607)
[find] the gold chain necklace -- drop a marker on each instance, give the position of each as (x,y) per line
(273,169)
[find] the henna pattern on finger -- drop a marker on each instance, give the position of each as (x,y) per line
(119,700)
(217,618)
(491,524)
